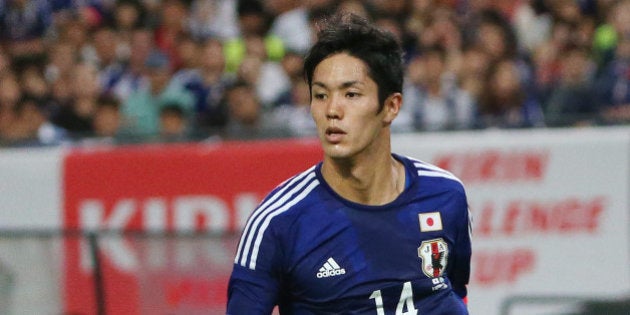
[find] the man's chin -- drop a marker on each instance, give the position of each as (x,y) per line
(337,152)
(331,149)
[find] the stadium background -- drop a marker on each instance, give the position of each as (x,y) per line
(113,201)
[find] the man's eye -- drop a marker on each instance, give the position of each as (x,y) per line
(352,94)
(319,96)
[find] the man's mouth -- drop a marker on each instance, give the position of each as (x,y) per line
(334,134)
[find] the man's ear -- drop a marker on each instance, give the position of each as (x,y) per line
(391,108)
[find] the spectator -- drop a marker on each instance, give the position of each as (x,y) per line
(547,56)
(504,101)
(32,127)
(127,16)
(267,77)
(247,119)
(173,124)
(141,110)
(132,77)
(186,56)
(107,121)
(471,15)
(171,26)
(61,61)
(106,52)
(415,24)
(207,84)
(59,72)
(75,114)
(75,32)
(471,70)
(295,113)
(441,31)
(613,85)
(496,36)
(573,102)
(292,69)
(23,26)
(433,98)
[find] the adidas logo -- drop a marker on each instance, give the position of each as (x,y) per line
(330,269)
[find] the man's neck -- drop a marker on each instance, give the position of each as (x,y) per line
(376,181)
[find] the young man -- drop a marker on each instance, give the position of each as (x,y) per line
(365,231)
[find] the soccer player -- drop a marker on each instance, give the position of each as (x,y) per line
(365,231)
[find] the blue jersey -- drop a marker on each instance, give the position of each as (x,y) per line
(310,251)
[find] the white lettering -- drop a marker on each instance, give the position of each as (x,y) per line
(212,210)
(181,214)
(155,215)
(92,214)
(92,218)
(330,273)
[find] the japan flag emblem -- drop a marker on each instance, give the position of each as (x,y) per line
(430,222)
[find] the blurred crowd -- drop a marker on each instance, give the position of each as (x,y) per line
(124,71)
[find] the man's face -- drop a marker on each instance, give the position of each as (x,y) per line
(345,105)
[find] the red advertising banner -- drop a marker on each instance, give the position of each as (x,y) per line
(174,188)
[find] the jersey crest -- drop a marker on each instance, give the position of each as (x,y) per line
(434,256)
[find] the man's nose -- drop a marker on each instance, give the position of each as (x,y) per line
(334,108)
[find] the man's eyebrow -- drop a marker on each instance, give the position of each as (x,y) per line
(343,85)
(320,84)
(349,84)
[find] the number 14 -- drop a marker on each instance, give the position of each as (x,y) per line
(406,300)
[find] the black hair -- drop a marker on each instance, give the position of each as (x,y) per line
(245,7)
(356,36)
(172,108)
(108,100)
(28,100)
(495,18)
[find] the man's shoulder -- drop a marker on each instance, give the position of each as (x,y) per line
(427,171)
(277,212)
(289,194)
